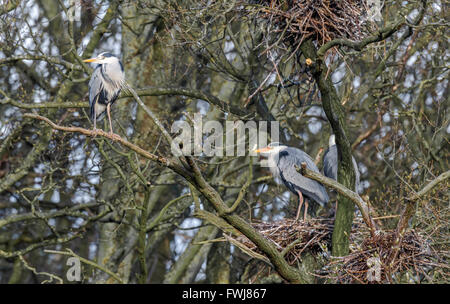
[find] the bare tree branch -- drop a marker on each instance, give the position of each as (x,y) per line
(354,197)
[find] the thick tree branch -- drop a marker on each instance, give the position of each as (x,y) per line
(380,35)
(354,197)
(156,91)
(276,258)
(338,120)
(161,160)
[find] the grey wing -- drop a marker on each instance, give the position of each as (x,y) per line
(309,187)
(95,89)
(330,163)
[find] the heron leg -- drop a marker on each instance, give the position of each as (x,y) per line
(306,210)
(95,123)
(108,111)
(300,204)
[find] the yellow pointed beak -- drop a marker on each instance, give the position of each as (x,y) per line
(90,60)
(262,150)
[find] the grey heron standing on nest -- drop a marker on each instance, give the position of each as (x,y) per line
(330,163)
(282,161)
(105,85)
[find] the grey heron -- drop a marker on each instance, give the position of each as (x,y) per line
(282,160)
(105,85)
(330,163)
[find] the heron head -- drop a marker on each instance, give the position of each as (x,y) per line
(271,148)
(102,58)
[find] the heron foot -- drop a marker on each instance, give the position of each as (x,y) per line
(95,132)
(115,136)
(297,218)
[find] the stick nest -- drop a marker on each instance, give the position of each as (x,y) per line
(314,236)
(323,20)
(414,255)
(311,236)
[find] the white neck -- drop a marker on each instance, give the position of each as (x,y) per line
(272,160)
(332,140)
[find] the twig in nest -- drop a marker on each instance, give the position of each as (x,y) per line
(414,255)
(292,238)
(322,21)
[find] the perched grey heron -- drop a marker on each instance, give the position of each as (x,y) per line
(330,163)
(282,160)
(105,85)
